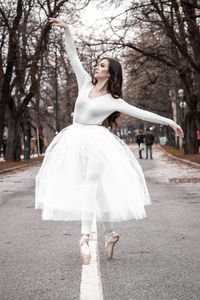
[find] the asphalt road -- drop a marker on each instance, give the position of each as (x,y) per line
(157,258)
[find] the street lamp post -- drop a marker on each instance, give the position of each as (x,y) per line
(50,110)
(175,87)
(57,120)
(26,150)
(182,105)
(26,135)
(173,104)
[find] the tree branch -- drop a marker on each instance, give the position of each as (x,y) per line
(171,34)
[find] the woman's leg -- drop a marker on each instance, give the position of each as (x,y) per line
(86,227)
(84,241)
(150,147)
(91,183)
(107,226)
(146,151)
(111,238)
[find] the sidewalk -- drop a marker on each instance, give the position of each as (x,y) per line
(194,158)
(6,166)
(166,169)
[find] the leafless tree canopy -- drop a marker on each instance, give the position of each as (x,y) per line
(167,32)
(26,58)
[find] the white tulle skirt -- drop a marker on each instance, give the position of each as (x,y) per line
(86,170)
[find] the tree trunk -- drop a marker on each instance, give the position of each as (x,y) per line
(1,129)
(191,122)
(2,115)
(13,148)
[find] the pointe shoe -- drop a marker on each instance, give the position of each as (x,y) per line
(85,250)
(111,238)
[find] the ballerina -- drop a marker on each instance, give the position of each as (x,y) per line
(87,169)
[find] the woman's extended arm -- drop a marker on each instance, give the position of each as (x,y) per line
(124,107)
(80,72)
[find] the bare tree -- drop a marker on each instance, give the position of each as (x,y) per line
(24,39)
(174,31)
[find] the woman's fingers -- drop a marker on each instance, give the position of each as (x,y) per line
(182,134)
(53,20)
(178,130)
(56,22)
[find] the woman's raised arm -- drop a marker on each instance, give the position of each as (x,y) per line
(81,74)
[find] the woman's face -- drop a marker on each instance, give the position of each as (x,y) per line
(101,70)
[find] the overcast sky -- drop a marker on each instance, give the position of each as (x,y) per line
(94,17)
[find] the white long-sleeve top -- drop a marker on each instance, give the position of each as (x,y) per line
(96,110)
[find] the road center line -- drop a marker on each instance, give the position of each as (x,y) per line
(91,287)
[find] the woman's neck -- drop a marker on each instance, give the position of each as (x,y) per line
(101,87)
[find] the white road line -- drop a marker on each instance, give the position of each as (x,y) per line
(91,287)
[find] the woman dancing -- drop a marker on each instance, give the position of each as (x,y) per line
(87,169)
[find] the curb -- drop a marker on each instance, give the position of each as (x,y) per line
(19,167)
(183,160)
(175,157)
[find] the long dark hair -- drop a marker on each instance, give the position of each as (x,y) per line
(114,87)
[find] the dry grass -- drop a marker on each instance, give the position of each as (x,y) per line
(4,165)
(180,154)
(185,180)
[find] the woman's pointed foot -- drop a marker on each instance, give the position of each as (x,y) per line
(84,249)
(111,238)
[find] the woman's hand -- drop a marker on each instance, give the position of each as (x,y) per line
(56,22)
(178,130)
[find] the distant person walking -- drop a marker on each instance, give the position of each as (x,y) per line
(4,144)
(140,141)
(149,140)
(32,145)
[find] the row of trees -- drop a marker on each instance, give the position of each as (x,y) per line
(157,38)
(165,32)
(27,63)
